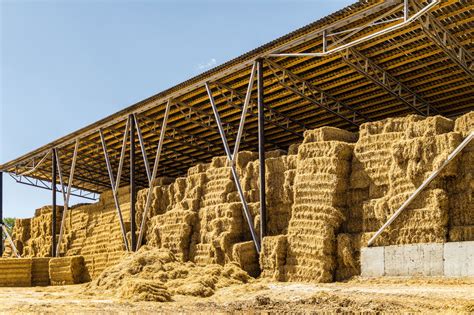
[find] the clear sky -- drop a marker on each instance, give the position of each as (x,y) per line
(65,64)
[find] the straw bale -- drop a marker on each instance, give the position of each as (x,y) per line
(465,124)
(245,157)
(389,125)
(347,257)
(341,150)
(328,134)
(273,257)
(293,149)
(461,233)
(197,169)
(246,257)
(430,126)
(40,271)
(421,156)
(15,272)
(66,270)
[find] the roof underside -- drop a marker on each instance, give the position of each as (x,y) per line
(339,89)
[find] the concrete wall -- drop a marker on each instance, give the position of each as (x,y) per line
(455,259)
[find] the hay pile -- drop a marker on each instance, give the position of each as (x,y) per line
(153,274)
(322,172)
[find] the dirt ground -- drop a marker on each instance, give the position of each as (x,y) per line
(357,295)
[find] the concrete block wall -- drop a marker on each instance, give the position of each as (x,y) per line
(455,259)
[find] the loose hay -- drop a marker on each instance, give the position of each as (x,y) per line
(153,274)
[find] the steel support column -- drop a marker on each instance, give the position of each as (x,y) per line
(53,189)
(66,193)
(133,189)
(261,151)
(247,214)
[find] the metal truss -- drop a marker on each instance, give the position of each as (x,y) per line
(435,30)
(382,78)
(232,158)
(315,95)
(275,117)
(345,42)
(44,184)
(153,174)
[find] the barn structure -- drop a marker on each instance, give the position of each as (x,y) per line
(369,62)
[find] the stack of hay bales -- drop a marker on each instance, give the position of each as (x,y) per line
(93,231)
(174,229)
(66,270)
(220,217)
(396,155)
(20,236)
(461,190)
(40,240)
(15,272)
(322,172)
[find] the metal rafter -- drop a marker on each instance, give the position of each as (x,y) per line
(273,117)
(315,95)
(435,30)
(369,69)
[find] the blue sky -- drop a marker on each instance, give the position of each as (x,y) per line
(65,64)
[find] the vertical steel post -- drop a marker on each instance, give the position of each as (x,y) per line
(53,189)
(133,191)
(261,150)
(1,212)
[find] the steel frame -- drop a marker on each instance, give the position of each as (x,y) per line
(231,160)
(67,194)
(338,47)
(153,174)
(115,184)
(435,30)
(261,150)
(314,95)
(369,69)
(53,207)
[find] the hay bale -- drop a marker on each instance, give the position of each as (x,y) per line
(246,257)
(273,257)
(40,271)
(15,272)
(66,270)
(328,134)
(465,124)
